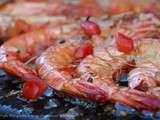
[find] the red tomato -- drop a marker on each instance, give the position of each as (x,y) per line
(90,28)
(124,43)
(84,50)
(34,89)
(30,90)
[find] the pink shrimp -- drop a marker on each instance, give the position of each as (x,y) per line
(91,79)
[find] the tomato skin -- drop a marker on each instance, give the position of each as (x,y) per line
(124,43)
(34,89)
(30,90)
(84,50)
(90,28)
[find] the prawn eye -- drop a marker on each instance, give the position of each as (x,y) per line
(90,28)
(124,43)
(62,41)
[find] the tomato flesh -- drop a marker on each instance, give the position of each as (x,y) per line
(84,50)
(30,90)
(124,43)
(90,28)
(34,89)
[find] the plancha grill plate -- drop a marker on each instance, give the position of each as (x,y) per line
(58,106)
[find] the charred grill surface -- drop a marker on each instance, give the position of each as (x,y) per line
(57,105)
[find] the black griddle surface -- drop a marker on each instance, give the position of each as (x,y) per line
(57,106)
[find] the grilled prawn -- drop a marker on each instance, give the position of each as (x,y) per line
(18,51)
(30,8)
(142,27)
(10,27)
(146,75)
(145,33)
(91,78)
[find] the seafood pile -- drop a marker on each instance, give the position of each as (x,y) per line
(83,50)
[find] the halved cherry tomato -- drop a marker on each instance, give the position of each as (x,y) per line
(90,28)
(34,89)
(124,43)
(84,50)
(30,90)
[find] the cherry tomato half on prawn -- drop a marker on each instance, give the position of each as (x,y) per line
(84,50)
(34,89)
(90,28)
(124,43)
